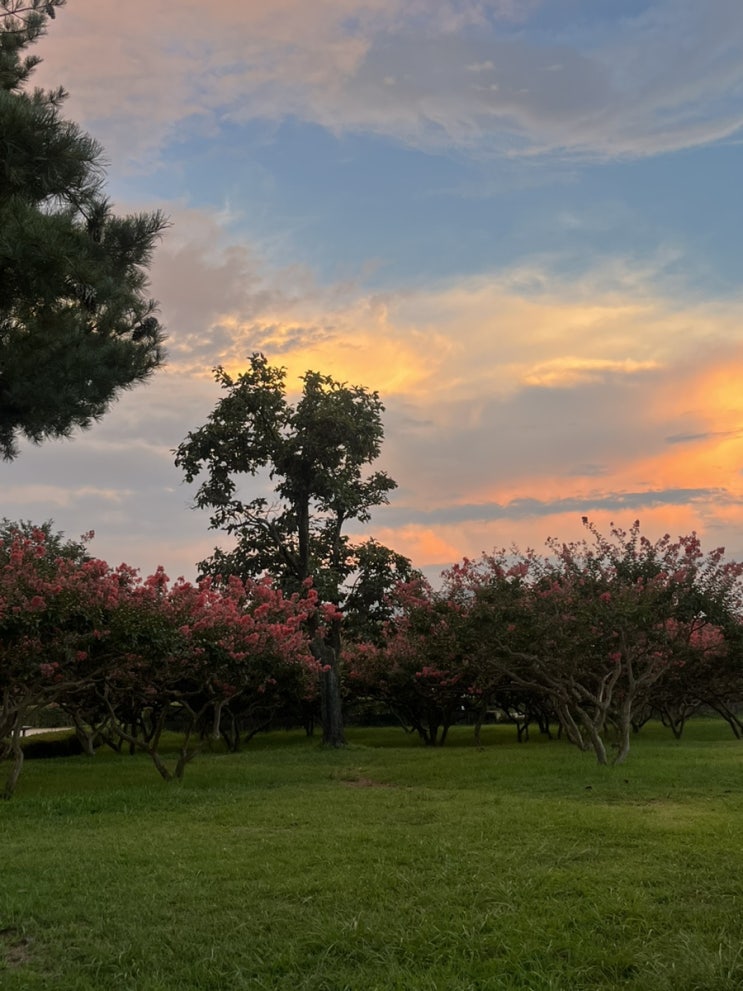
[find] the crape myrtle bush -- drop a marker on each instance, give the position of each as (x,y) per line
(123,655)
(594,636)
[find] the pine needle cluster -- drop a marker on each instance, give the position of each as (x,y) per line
(76,323)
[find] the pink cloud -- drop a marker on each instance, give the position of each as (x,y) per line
(143,73)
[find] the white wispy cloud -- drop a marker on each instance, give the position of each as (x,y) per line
(145,75)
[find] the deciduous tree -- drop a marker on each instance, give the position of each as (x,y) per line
(316,453)
(196,652)
(368,601)
(421,672)
(50,609)
(93,639)
(599,623)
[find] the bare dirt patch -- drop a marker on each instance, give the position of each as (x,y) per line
(15,948)
(363,783)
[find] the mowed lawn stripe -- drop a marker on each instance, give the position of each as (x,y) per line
(381,866)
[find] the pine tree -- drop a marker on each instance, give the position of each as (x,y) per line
(76,324)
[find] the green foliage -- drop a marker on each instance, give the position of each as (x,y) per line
(368,602)
(76,325)
(596,635)
(54,542)
(422,671)
(315,453)
(121,655)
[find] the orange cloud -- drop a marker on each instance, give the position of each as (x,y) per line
(424,546)
(497,393)
(570,371)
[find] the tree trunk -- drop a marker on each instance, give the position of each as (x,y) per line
(572,730)
(308,718)
(481,716)
(330,695)
(15,754)
(522,729)
(87,735)
(730,718)
(15,770)
(594,734)
(625,730)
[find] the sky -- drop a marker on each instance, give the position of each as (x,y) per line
(518,220)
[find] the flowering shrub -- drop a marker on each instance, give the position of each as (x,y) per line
(598,625)
(590,634)
(134,653)
(420,672)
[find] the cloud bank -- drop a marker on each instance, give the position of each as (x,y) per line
(519,396)
(510,411)
(485,77)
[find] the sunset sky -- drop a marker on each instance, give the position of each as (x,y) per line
(519,220)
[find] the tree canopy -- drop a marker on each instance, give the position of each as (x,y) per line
(316,453)
(76,324)
(121,655)
(595,636)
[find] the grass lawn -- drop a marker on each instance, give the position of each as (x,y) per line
(382,867)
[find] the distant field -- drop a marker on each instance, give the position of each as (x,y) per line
(382,867)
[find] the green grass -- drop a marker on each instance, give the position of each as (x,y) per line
(382,867)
